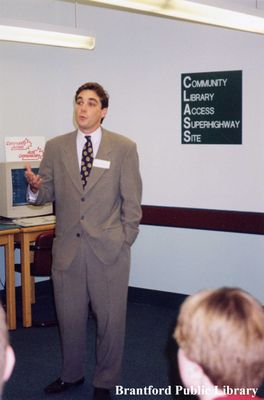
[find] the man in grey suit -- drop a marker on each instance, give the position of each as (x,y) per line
(97,218)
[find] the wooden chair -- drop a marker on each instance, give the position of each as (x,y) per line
(40,265)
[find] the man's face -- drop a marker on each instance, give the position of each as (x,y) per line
(88,111)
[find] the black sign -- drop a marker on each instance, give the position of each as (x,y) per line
(212,108)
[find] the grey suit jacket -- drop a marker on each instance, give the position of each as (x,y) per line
(107,213)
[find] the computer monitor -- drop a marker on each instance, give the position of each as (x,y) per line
(13,188)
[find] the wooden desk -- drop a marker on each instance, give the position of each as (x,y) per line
(7,240)
(25,236)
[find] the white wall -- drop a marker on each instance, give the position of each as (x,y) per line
(139,59)
(185,260)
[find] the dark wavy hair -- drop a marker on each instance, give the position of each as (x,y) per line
(98,89)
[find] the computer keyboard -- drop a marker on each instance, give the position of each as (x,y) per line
(35,221)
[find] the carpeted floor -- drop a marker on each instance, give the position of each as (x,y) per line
(149,350)
(149,357)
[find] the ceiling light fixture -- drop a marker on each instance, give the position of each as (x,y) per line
(51,36)
(194,12)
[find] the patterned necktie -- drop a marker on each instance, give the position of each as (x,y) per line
(87,160)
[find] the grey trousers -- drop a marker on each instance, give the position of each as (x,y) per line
(105,287)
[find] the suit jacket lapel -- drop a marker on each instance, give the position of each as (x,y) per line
(102,154)
(70,160)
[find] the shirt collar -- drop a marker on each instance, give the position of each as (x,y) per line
(95,136)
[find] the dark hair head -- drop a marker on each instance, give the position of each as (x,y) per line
(98,89)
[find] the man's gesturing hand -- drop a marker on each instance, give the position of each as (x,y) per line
(34,180)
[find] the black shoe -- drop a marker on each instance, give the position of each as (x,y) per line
(59,386)
(101,394)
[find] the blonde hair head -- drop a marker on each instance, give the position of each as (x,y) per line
(222,330)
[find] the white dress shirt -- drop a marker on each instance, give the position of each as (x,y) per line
(96,137)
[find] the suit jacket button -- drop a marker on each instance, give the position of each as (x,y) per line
(78,235)
(82,199)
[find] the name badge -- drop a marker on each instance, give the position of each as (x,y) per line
(101,163)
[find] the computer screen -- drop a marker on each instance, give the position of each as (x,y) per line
(13,192)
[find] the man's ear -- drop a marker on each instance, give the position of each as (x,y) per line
(104,112)
(9,363)
(191,372)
